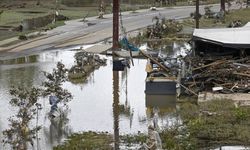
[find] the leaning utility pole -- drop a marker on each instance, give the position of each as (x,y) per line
(115,24)
(197,14)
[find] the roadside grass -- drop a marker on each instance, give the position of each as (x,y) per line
(79,12)
(241,14)
(53,25)
(7,34)
(14,17)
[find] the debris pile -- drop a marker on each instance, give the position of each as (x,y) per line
(224,75)
(235,24)
(85,63)
(208,12)
(163,28)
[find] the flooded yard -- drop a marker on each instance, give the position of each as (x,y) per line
(93,107)
(115,103)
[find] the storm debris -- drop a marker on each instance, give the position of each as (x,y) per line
(162,28)
(218,75)
(85,64)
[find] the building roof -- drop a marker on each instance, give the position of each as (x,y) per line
(226,37)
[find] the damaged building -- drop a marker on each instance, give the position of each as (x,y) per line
(220,66)
(222,41)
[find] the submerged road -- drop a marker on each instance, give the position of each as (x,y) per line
(94,30)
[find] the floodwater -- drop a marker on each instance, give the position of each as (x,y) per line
(108,101)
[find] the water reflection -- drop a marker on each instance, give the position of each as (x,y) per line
(20,60)
(161,110)
(116,111)
(167,102)
(91,108)
(12,76)
(125,109)
(59,128)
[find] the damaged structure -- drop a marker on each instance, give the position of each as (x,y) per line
(222,41)
(220,63)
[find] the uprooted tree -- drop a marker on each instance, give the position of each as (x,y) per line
(20,133)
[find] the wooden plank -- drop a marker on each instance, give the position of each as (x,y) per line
(211,64)
(155,61)
(242,74)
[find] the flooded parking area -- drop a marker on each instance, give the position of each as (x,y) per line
(107,101)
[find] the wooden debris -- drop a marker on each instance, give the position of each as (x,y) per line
(232,74)
(155,61)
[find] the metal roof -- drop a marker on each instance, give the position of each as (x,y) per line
(226,37)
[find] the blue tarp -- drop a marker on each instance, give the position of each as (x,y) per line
(125,44)
(53,100)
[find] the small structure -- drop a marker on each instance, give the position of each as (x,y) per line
(220,68)
(158,81)
(160,86)
(222,41)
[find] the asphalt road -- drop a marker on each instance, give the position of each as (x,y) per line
(95,30)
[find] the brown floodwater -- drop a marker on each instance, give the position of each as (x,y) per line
(108,101)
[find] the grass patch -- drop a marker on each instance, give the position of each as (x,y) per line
(87,140)
(53,25)
(15,17)
(241,14)
(79,12)
(216,122)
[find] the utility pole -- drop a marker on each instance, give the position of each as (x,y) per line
(116,111)
(115,25)
(197,14)
(222,5)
